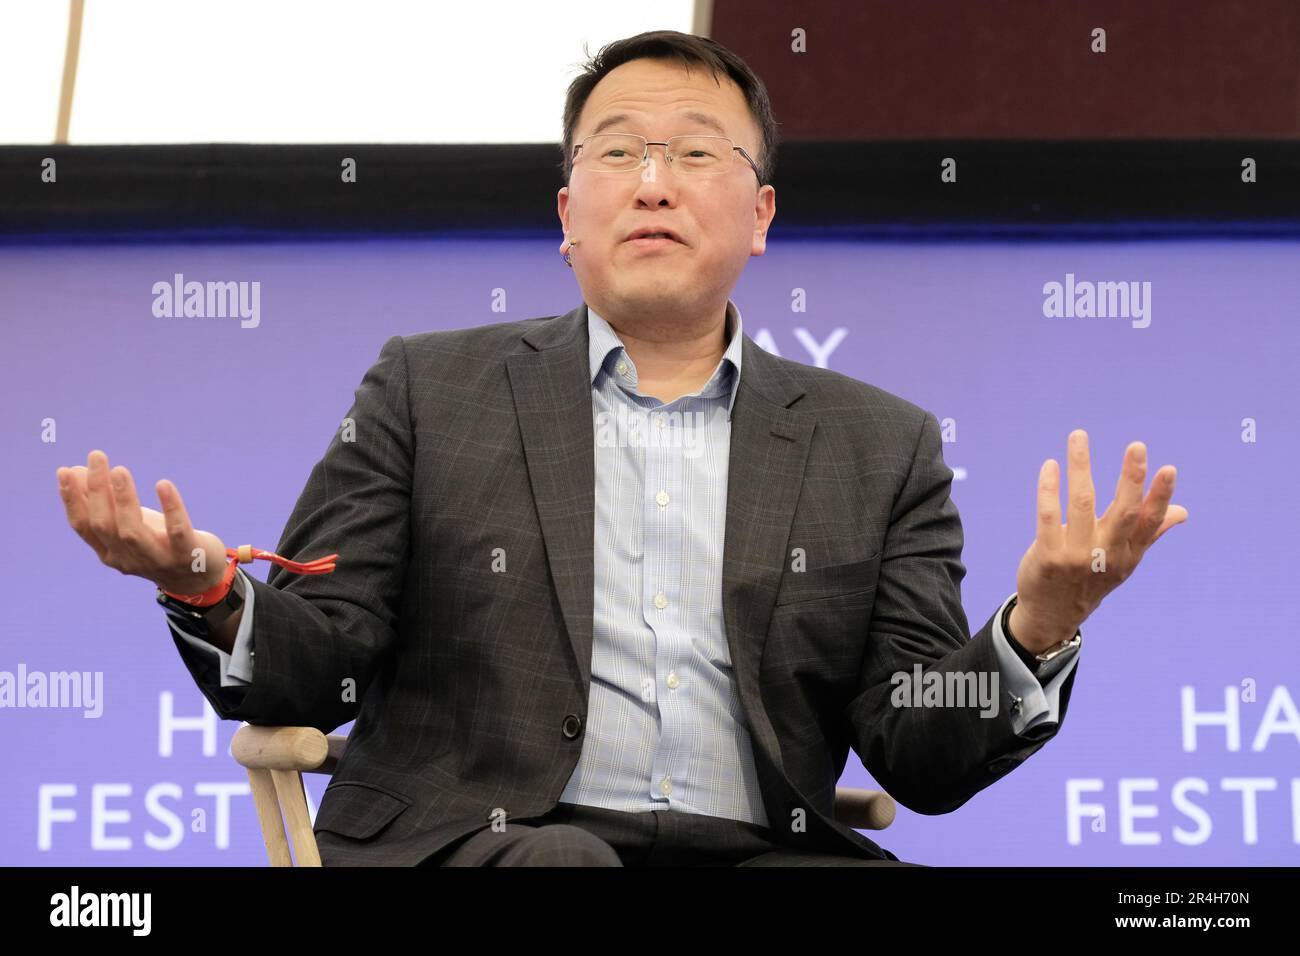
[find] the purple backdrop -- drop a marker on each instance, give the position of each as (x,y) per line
(236,416)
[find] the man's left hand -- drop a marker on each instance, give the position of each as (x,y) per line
(1071,567)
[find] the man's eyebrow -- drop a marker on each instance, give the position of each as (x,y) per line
(703,119)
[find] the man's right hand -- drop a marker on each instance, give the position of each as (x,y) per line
(103,509)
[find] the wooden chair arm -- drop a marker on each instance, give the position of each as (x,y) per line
(304,749)
(864,809)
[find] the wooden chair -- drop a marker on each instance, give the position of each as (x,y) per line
(277,757)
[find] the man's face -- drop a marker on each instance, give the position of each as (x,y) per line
(722,219)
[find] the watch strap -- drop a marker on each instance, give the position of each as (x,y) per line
(204,621)
(1034,661)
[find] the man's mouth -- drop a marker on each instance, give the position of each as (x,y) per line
(658,241)
(649,238)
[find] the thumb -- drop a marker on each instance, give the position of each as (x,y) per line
(1174,514)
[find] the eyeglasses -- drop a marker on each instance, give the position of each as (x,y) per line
(691,155)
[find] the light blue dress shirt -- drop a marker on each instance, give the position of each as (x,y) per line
(236,667)
(665,726)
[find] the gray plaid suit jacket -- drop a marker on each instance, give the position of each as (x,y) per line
(471,686)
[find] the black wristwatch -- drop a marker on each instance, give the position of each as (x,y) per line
(204,621)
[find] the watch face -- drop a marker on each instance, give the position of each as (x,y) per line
(1059,649)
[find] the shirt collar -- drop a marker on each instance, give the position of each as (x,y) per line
(606,350)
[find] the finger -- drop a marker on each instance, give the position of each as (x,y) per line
(74,502)
(1049,504)
(1153,509)
(1081,518)
(99,503)
(180,533)
(1176,514)
(1121,517)
(131,531)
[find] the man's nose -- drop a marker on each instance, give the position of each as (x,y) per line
(657,177)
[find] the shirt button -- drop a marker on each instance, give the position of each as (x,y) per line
(661,600)
(666,786)
(672,680)
(661,421)
(622,368)
(662,498)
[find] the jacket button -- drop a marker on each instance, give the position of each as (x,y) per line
(572,726)
(1002,765)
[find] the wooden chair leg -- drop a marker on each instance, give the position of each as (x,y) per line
(293,799)
(268,815)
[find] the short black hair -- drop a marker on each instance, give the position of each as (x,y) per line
(686,48)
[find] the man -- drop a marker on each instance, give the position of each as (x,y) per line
(652,636)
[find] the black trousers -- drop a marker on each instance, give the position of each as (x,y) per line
(578,835)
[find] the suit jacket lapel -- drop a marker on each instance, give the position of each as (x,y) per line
(769,450)
(552,394)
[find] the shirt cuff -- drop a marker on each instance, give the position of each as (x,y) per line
(1033,700)
(235,668)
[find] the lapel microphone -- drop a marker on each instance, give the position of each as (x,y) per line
(567,261)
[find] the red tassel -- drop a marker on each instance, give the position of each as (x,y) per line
(246,553)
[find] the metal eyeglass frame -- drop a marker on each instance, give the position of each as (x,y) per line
(645,155)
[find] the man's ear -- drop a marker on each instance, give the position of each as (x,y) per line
(764,213)
(562,207)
